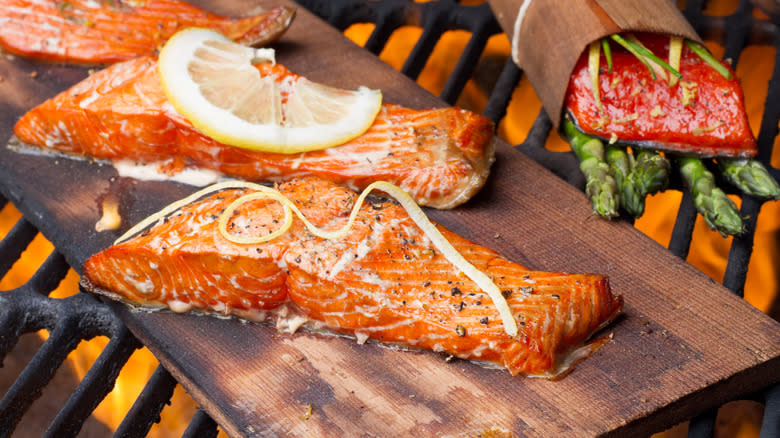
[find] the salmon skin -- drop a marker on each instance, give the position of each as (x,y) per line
(703,114)
(441,157)
(108,31)
(384,280)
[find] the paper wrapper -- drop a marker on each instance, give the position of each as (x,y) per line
(548,36)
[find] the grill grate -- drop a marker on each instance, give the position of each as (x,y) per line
(28,309)
(82,317)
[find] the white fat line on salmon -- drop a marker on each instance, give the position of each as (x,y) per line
(387,327)
(85,102)
(57,136)
(151,172)
(145,286)
(375,279)
(363,248)
(415,213)
(296,162)
(31,24)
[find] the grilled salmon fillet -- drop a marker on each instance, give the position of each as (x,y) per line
(384,280)
(703,115)
(103,32)
(441,157)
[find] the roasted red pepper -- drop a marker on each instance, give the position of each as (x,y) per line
(702,114)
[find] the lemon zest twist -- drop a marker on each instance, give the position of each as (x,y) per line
(415,213)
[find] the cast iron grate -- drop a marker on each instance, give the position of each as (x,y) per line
(28,309)
(83,317)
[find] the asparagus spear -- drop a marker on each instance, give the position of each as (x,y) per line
(600,186)
(651,171)
(649,175)
(750,176)
(621,164)
(719,211)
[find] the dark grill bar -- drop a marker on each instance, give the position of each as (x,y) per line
(147,407)
(83,317)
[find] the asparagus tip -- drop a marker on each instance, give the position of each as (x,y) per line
(750,177)
(719,212)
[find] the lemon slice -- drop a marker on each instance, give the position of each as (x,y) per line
(215,84)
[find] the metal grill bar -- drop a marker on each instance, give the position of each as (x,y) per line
(703,426)
(562,164)
(148,406)
(680,243)
(50,274)
(387,21)
(499,99)
(15,242)
(482,26)
(28,387)
(69,321)
(201,426)
(770,425)
(434,24)
(98,382)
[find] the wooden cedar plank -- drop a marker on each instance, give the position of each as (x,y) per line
(684,345)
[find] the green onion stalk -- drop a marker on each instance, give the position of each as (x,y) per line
(707,57)
(644,55)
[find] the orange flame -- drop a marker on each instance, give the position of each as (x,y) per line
(134,374)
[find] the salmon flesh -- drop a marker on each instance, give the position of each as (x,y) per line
(702,115)
(384,280)
(108,31)
(441,157)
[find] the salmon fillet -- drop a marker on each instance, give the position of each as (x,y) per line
(103,32)
(384,280)
(703,115)
(441,157)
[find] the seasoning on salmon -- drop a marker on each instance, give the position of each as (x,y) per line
(383,280)
(442,157)
(702,114)
(103,32)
